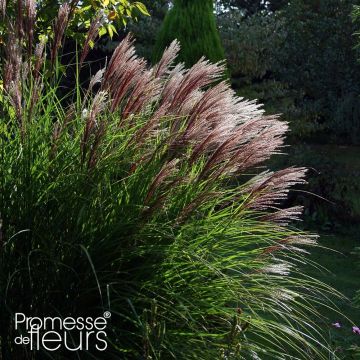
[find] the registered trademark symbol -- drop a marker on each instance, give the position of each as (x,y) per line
(107,314)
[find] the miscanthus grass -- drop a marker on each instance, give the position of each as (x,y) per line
(145,195)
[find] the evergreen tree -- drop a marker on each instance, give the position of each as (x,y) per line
(193,23)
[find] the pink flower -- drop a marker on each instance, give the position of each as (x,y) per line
(356,330)
(336,325)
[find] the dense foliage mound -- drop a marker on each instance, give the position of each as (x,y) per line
(143,196)
(193,24)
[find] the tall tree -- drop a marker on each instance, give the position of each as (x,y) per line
(193,23)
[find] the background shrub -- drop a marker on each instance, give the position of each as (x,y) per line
(193,24)
(306,50)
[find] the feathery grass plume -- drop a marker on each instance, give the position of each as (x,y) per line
(39,59)
(270,188)
(284,216)
(96,79)
(123,54)
(93,126)
(13,71)
(124,73)
(137,199)
(39,54)
(13,59)
(2,8)
(203,73)
(60,25)
(92,34)
(19,22)
(167,170)
(30,8)
(167,59)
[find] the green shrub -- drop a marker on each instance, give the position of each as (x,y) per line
(192,23)
(108,16)
(251,44)
(134,196)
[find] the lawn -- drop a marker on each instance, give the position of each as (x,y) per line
(343,274)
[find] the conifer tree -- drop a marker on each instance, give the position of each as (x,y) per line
(193,24)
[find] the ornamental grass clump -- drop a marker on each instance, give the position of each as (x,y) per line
(145,195)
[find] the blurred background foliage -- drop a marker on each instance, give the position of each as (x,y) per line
(299,61)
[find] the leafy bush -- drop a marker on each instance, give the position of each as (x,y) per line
(251,44)
(145,30)
(107,15)
(319,58)
(193,24)
(135,196)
